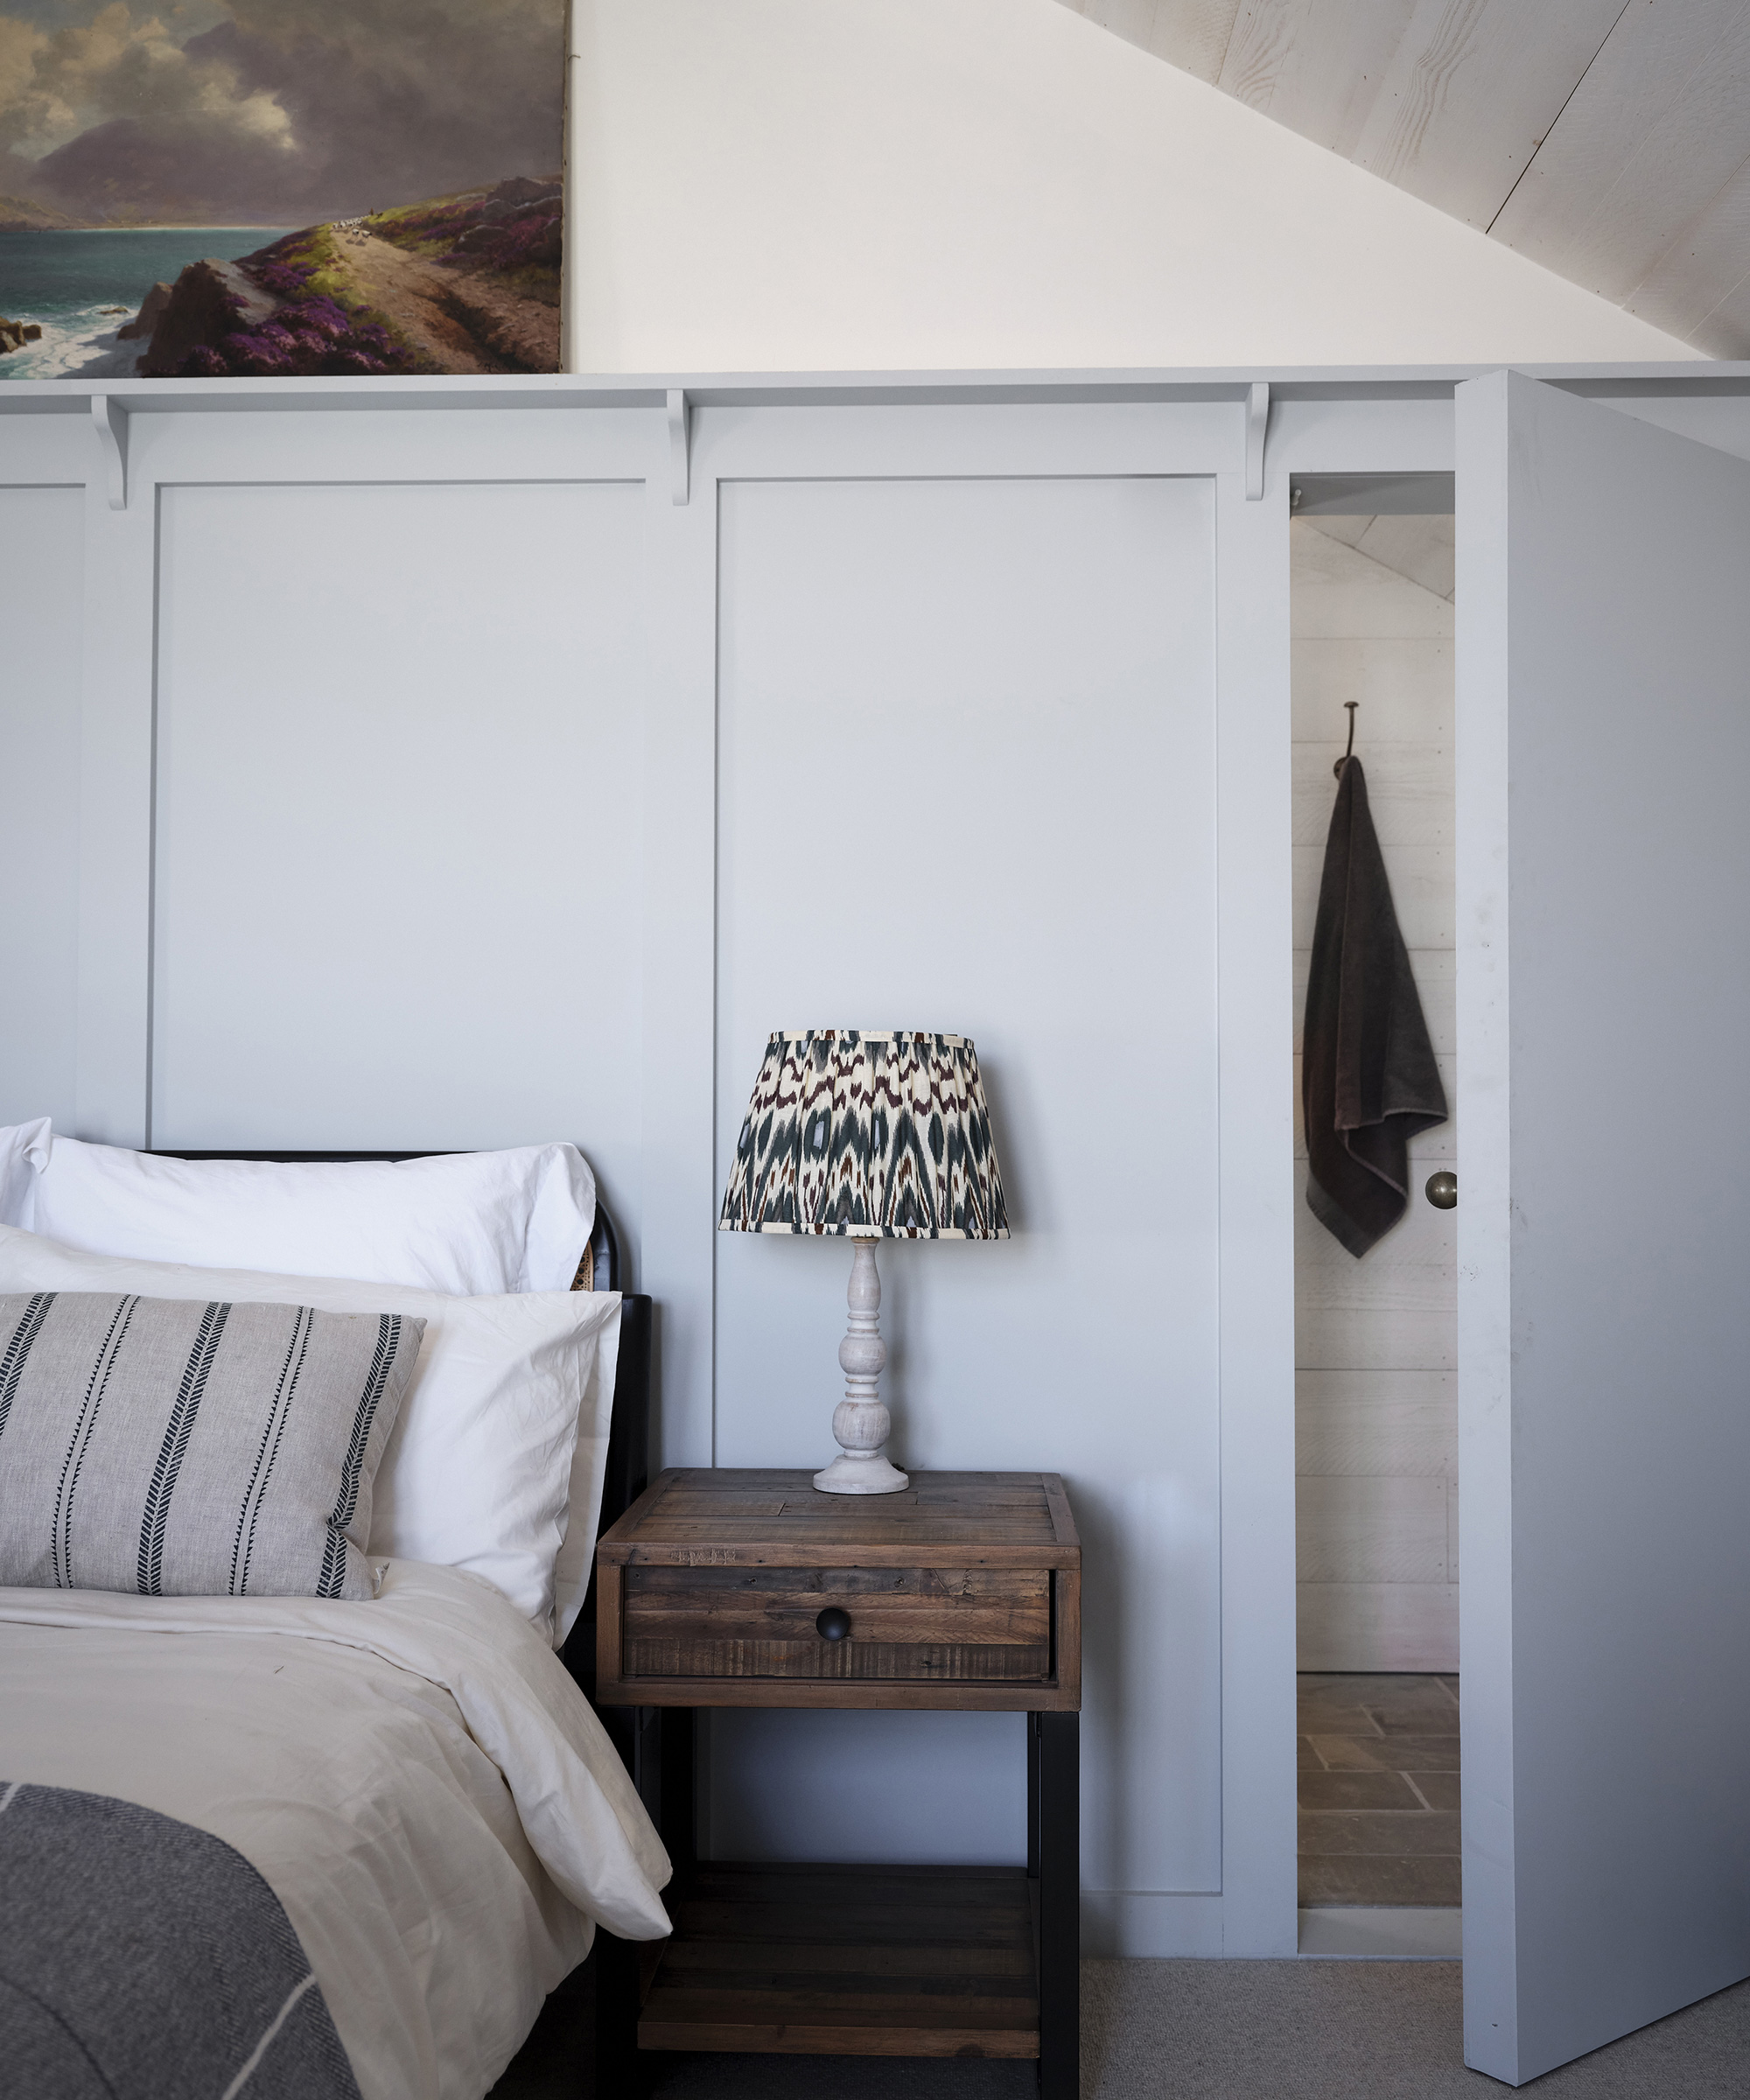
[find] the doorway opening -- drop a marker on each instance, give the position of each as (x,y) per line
(1372,592)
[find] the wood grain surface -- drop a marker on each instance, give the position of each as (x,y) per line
(781,1511)
(921,1961)
(934,1623)
(963,1592)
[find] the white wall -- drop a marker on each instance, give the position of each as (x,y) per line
(853,184)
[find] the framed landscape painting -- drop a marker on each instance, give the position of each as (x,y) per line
(206,188)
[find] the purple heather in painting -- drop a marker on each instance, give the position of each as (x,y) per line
(262,187)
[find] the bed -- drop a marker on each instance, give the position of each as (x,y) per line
(412,1782)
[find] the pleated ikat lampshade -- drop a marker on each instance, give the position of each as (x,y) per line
(866,1134)
(854,1131)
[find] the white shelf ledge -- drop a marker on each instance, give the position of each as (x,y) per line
(835,389)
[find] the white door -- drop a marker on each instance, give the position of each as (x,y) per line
(1603,877)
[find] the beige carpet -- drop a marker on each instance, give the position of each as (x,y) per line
(1265,2031)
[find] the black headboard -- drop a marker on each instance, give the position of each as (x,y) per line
(628,1444)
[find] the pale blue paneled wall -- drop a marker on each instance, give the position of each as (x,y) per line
(966,759)
(444,781)
(400,819)
(41,593)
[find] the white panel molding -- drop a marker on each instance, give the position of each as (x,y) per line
(112,1083)
(1484,1225)
(1080,437)
(46,451)
(679,1251)
(1327,437)
(409,445)
(1255,939)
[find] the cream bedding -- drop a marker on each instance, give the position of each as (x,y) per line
(416,1778)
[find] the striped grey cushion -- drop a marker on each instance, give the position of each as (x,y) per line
(185,1449)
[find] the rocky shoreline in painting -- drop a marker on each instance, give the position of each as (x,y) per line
(468,282)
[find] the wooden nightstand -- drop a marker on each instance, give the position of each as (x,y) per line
(737,1588)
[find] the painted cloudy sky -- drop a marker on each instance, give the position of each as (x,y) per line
(273,112)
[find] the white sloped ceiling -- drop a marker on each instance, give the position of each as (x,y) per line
(1609,140)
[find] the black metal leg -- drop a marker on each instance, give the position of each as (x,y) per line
(619,2073)
(676,1817)
(1034,1803)
(656,1745)
(1055,1857)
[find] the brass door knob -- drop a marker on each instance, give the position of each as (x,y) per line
(1443,1191)
(833,1624)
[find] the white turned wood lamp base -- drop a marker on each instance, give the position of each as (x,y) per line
(860,1422)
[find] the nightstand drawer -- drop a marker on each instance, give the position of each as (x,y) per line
(913,1625)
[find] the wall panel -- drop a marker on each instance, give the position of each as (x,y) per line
(967,781)
(42,530)
(399,818)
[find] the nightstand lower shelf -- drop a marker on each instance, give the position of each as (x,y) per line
(817,1960)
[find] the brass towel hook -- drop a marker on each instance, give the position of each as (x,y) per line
(1338,768)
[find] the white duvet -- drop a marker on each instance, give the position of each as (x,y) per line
(416,1778)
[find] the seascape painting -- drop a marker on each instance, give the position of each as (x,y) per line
(280,187)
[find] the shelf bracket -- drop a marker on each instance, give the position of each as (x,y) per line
(109,419)
(1257,422)
(680,441)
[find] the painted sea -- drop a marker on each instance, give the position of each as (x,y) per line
(73,283)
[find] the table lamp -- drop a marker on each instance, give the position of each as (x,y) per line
(868,1136)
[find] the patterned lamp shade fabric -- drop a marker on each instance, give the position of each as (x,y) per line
(854,1133)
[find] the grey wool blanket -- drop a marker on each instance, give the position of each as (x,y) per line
(141,1959)
(1368,1082)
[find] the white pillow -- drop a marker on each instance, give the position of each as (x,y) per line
(470,1223)
(498,1452)
(23,1153)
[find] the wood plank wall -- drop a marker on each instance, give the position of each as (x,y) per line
(1375,1464)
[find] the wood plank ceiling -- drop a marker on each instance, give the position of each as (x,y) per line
(1609,140)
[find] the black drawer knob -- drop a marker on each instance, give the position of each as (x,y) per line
(833,1624)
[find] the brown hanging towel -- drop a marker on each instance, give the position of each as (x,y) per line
(1368,1082)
